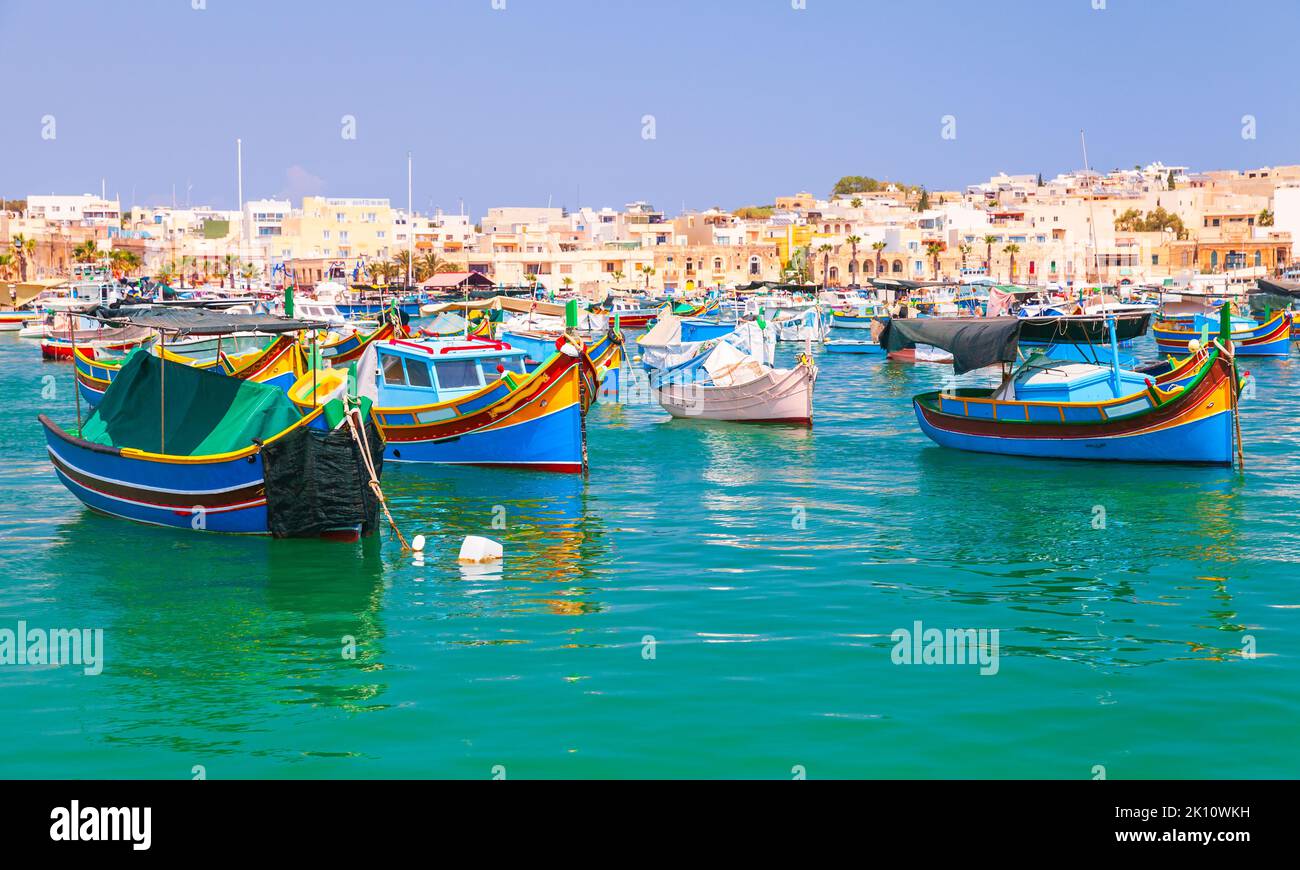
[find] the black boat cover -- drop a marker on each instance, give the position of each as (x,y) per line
(974,342)
(316,482)
(200,321)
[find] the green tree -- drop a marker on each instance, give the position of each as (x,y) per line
(853,241)
(1265,218)
(825,251)
(923,204)
(879,247)
(1012,249)
(988,254)
(933,250)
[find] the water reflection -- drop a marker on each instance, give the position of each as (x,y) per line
(544,522)
(203,631)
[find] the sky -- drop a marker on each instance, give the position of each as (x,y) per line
(683,103)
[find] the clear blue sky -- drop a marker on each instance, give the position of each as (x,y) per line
(545,98)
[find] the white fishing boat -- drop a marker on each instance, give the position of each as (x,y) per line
(728,384)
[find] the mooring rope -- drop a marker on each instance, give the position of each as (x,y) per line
(358,430)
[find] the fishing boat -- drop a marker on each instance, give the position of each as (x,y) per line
(728,384)
(674,340)
(348,348)
(851,319)
(854,345)
(631,312)
(1271,338)
(110,341)
(467,402)
(806,325)
(1074,410)
(173,445)
(14,321)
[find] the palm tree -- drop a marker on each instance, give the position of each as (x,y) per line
(249,272)
(22,247)
(825,251)
(617,275)
(405,266)
(6,264)
(647,271)
(988,254)
(965,252)
(1012,250)
(853,241)
(934,249)
(567,282)
(878,247)
(856,202)
(86,252)
(167,273)
(431,264)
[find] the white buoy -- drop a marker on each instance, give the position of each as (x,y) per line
(1194,346)
(417,543)
(476,550)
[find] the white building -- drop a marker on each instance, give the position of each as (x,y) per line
(85,210)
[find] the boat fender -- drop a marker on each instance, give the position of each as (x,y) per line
(476,550)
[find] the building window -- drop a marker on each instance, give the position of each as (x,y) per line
(898,267)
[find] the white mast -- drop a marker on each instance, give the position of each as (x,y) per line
(410,222)
(1092,224)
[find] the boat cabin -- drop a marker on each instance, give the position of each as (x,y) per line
(440,370)
(1050,380)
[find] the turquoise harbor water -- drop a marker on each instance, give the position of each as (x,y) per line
(769,565)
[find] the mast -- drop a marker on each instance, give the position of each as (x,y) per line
(1092,223)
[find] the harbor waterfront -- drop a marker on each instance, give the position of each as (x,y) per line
(707,600)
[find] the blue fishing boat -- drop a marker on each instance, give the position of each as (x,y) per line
(1271,338)
(1071,410)
(467,402)
(174,445)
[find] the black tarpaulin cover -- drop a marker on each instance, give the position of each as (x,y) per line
(200,321)
(316,482)
(974,342)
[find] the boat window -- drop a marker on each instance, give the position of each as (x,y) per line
(489,364)
(417,373)
(393,369)
(457,374)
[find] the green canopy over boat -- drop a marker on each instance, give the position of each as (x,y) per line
(166,407)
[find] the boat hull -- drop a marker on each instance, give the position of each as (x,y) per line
(779,396)
(1268,339)
(1195,426)
(217,496)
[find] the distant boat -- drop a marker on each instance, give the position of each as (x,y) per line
(850,345)
(1272,338)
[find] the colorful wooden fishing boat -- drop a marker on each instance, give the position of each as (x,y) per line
(1271,338)
(107,341)
(350,348)
(467,403)
(850,320)
(14,321)
(172,445)
(1192,424)
(1075,410)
